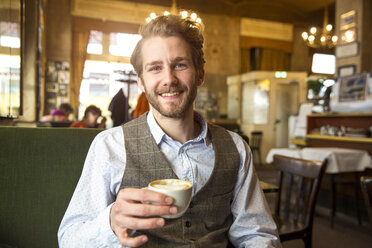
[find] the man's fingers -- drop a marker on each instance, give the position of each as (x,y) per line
(144,195)
(139,224)
(125,240)
(123,208)
(146,210)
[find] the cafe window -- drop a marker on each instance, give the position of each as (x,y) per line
(95,42)
(9,36)
(99,87)
(323,63)
(10,63)
(123,44)
(108,54)
(112,46)
(100,84)
(9,85)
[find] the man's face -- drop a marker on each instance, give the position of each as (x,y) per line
(169,77)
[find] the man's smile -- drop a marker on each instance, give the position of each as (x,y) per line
(170,94)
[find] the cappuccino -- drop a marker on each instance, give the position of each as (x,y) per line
(179,190)
(171,184)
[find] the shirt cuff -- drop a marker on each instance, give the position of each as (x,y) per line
(107,237)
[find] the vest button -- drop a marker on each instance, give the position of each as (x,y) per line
(188,224)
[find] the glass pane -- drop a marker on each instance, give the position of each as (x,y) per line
(10,60)
(95,42)
(256,102)
(324,63)
(10,35)
(9,85)
(122,44)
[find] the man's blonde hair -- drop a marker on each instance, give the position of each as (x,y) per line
(171,25)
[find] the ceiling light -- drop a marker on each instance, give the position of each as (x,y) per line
(323,39)
(174,11)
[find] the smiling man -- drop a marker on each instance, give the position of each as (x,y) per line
(169,60)
(111,206)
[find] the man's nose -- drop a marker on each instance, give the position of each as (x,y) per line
(169,76)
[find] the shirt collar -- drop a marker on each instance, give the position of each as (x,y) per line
(159,134)
(155,129)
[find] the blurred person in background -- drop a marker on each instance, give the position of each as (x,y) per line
(60,114)
(141,107)
(119,108)
(90,119)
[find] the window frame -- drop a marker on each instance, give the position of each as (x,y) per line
(106,56)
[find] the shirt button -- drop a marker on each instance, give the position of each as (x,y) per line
(188,224)
(181,150)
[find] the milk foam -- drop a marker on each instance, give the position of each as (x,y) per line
(171,184)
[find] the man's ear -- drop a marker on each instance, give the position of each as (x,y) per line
(200,79)
(140,84)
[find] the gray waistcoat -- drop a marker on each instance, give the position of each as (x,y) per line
(208,219)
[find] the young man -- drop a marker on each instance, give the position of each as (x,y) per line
(110,206)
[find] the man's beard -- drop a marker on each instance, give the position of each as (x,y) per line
(174,109)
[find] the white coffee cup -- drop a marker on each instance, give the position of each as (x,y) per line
(179,190)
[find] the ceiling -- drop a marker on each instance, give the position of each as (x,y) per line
(299,12)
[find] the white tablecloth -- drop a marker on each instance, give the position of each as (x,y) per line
(289,152)
(339,159)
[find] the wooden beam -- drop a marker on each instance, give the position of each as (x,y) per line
(84,23)
(248,42)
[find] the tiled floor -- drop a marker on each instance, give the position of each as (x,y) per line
(346,233)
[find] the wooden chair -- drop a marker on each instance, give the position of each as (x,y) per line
(255,144)
(366,185)
(299,182)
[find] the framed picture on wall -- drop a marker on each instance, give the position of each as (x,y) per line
(65,66)
(348,20)
(347,50)
(52,87)
(369,87)
(353,88)
(63,88)
(346,70)
(64,77)
(52,76)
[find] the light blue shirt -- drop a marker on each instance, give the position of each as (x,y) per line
(86,221)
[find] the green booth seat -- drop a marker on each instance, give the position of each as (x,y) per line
(39,169)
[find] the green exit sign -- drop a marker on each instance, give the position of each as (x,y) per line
(280,74)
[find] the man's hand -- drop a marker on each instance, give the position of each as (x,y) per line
(129,205)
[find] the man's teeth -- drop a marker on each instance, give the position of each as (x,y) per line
(170,94)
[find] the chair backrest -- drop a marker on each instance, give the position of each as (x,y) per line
(299,182)
(255,140)
(366,185)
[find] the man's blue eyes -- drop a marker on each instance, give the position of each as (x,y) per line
(177,66)
(156,68)
(180,65)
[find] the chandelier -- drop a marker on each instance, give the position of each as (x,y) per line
(323,38)
(175,11)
